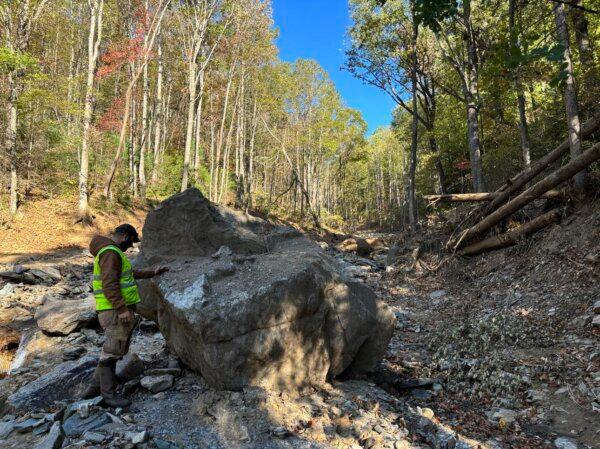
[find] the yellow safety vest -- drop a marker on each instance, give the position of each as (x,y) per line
(129,288)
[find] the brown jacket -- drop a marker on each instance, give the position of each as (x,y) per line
(110,270)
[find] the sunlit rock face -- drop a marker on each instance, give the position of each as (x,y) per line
(250,303)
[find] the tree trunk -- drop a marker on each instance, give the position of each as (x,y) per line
(472,97)
(591,80)
(559,176)
(519,181)
(571,104)
(145,125)
(94,39)
(159,116)
(476,197)
(441,175)
(192,71)
(412,196)
(513,236)
(11,140)
(523,128)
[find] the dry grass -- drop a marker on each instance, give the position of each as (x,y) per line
(45,226)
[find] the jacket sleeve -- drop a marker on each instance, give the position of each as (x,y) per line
(143,274)
(110,269)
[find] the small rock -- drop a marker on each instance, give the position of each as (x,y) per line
(565,443)
(28,425)
(130,386)
(157,383)
(7,290)
(6,429)
(162,444)
(280,432)
(437,294)
(73,353)
(137,437)
(504,415)
(76,406)
(129,367)
(42,429)
(596,321)
(173,364)
(94,437)
(83,410)
(427,413)
(402,444)
(223,251)
(595,308)
(53,440)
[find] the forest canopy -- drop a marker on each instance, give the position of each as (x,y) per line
(132,100)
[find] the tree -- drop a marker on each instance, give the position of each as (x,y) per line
(94,39)
(571,104)
(18,22)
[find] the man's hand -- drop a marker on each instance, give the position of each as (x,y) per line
(160,271)
(126,316)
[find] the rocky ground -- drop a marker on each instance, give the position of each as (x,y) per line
(498,351)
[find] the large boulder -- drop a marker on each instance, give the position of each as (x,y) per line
(250,303)
(61,317)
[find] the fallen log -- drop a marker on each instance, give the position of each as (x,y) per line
(475,197)
(520,180)
(513,236)
(559,176)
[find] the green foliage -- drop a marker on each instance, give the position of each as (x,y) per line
(11,60)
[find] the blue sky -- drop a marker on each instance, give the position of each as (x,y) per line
(316,29)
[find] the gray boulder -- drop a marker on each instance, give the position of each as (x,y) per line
(276,312)
(62,383)
(63,317)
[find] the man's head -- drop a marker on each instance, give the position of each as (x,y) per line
(125,236)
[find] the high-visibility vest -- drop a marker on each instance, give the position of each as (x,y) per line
(129,289)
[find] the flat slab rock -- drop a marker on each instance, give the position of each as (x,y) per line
(63,317)
(62,383)
(272,310)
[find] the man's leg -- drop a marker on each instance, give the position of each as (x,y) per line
(116,345)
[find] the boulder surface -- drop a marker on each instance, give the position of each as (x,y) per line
(62,317)
(247,302)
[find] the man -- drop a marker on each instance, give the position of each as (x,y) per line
(116,295)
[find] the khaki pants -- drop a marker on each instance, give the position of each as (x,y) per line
(118,335)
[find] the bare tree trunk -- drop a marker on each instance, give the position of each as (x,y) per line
(472,100)
(513,236)
(11,140)
(591,80)
(523,128)
(192,70)
(571,104)
(159,116)
(94,39)
(412,196)
(145,125)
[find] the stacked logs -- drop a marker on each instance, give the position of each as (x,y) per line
(505,201)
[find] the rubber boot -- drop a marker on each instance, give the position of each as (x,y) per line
(108,385)
(93,389)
